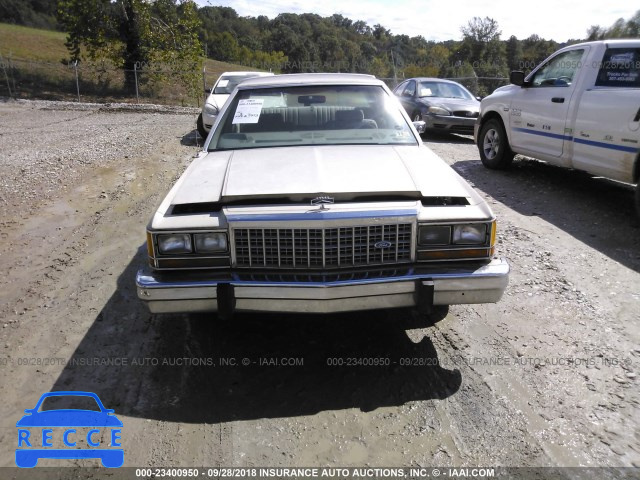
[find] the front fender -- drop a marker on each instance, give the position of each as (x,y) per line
(501,112)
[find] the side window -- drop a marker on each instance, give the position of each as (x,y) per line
(410,91)
(620,68)
(559,71)
(398,90)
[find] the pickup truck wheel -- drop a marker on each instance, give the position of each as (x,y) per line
(493,145)
(200,124)
(638,198)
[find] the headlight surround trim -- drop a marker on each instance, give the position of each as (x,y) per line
(467,240)
(194,243)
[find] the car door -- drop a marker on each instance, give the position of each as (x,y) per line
(407,97)
(399,89)
(607,129)
(539,110)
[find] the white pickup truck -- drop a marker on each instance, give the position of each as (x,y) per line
(579,109)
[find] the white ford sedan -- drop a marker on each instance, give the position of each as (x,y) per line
(316,194)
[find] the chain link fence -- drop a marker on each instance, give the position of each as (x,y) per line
(22,78)
(481,86)
(103,83)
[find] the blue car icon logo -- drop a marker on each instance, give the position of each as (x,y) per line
(69,433)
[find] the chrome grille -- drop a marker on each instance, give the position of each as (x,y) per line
(322,247)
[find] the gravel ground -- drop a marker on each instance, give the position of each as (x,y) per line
(546,377)
(47,146)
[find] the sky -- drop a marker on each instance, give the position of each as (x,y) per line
(441,20)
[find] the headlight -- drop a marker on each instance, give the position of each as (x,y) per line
(174,244)
(434,235)
(210,110)
(210,242)
(438,111)
(472,234)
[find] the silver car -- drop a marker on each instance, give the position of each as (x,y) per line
(445,106)
(314,193)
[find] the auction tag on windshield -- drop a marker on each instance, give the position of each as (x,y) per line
(223,83)
(248,111)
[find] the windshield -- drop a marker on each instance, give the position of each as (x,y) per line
(444,90)
(74,402)
(318,115)
(227,83)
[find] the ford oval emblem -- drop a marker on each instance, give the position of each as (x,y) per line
(382,244)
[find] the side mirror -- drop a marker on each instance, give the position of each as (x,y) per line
(207,90)
(421,126)
(517,78)
(478,98)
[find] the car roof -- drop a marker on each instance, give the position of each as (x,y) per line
(431,79)
(305,79)
(241,74)
(618,42)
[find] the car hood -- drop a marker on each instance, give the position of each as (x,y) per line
(69,418)
(452,103)
(507,88)
(301,173)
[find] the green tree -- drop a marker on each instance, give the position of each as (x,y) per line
(134,34)
(482,49)
(535,50)
(223,46)
(31,13)
(173,41)
(430,61)
(514,53)
(621,28)
(381,67)
(86,24)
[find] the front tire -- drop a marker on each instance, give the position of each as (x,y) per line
(493,145)
(638,198)
(200,124)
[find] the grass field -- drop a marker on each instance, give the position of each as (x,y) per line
(31,43)
(33,68)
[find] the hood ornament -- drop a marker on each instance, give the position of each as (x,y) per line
(322,202)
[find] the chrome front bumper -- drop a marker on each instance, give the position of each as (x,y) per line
(449,123)
(423,287)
